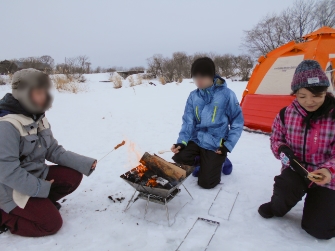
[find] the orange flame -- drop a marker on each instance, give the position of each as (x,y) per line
(134,154)
(141,170)
(151,183)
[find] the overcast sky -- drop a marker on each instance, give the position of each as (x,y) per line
(126,32)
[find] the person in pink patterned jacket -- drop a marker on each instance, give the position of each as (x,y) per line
(303,138)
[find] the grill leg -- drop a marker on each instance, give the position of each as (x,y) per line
(146,206)
(167,212)
(187,191)
(131,200)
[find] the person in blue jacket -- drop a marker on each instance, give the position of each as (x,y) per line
(212,124)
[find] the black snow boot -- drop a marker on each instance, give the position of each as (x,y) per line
(3,228)
(57,205)
(265,210)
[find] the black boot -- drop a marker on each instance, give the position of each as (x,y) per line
(265,210)
(57,205)
(3,228)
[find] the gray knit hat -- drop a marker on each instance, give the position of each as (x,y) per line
(23,82)
(309,74)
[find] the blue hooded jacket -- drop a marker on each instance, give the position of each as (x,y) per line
(212,117)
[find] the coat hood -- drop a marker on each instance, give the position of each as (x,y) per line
(10,105)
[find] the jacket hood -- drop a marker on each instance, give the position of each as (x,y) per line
(10,105)
(219,81)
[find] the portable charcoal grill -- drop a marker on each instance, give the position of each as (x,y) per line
(158,194)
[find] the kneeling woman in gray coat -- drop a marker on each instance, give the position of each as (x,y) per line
(30,189)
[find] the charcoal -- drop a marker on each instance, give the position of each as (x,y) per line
(111,198)
(120,199)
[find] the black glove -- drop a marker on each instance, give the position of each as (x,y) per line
(288,158)
(182,146)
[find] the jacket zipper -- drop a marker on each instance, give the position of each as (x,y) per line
(214,114)
(196,112)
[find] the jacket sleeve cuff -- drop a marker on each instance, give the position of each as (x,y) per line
(182,142)
(43,189)
(228,146)
(86,167)
(332,171)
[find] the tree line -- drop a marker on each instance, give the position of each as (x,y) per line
(170,68)
(177,67)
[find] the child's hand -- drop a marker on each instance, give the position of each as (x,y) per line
(176,148)
(222,150)
(326,174)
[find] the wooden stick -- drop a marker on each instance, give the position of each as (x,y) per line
(163,151)
(313,177)
(116,147)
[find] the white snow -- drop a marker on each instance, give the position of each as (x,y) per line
(149,118)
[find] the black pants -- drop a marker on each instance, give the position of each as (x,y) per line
(210,163)
(319,211)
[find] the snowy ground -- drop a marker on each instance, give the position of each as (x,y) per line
(92,123)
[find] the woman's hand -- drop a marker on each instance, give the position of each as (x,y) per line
(325,173)
(94,165)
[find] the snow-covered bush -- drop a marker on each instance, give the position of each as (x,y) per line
(117,81)
(162,80)
(139,79)
(65,84)
(2,81)
(131,81)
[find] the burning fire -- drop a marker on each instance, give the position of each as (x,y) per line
(151,183)
(141,170)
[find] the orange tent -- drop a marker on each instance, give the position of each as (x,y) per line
(269,87)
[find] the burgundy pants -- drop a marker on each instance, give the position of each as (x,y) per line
(40,217)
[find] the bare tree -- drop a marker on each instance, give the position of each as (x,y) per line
(48,60)
(137,68)
(74,68)
(98,70)
(155,65)
(182,64)
(302,14)
(44,63)
(7,67)
(266,36)
(325,13)
(169,70)
(244,65)
(225,65)
(290,25)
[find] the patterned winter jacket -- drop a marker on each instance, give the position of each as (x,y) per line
(314,147)
(212,117)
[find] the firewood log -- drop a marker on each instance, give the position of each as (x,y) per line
(163,168)
(188,169)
